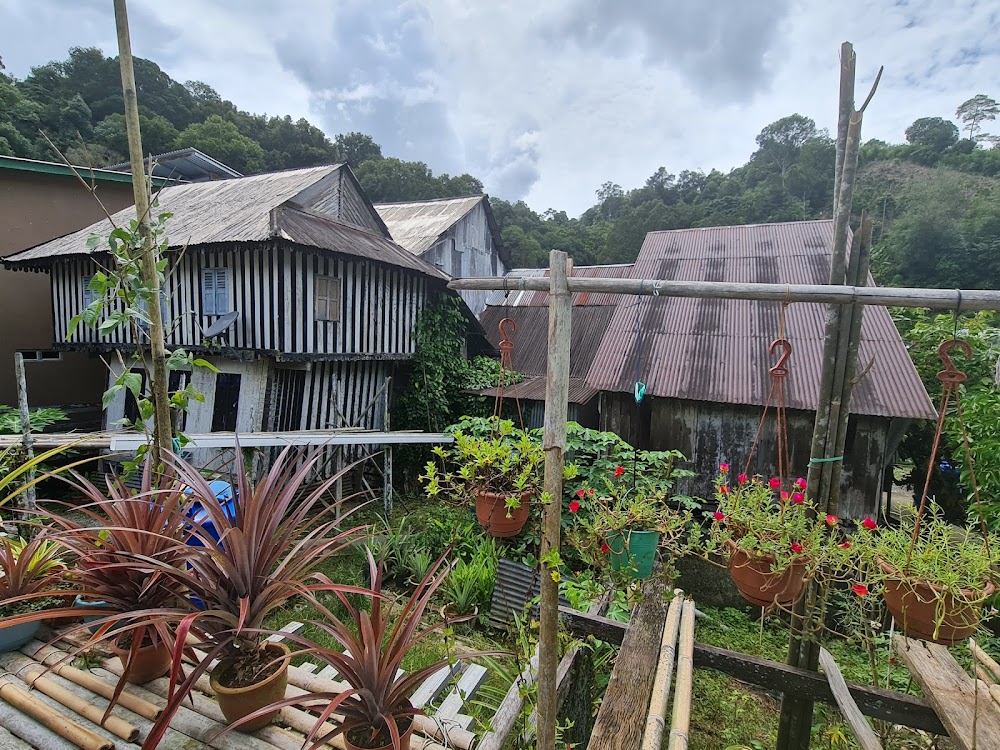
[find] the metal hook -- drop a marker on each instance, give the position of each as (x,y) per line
(507,327)
(780,368)
(950,373)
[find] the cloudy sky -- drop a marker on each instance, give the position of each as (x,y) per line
(546,99)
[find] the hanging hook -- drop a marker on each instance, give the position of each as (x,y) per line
(780,368)
(507,327)
(950,373)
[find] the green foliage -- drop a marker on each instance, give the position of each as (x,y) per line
(392,179)
(975,111)
(935,132)
(223,140)
(470,583)
(38,419)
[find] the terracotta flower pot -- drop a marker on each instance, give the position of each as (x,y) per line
(930,613)
(360,734)
(758,584)
(149,663)
(237,702)
(491,510)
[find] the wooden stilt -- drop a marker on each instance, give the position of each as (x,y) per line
(28,501)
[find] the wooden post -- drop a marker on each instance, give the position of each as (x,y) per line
(29,501)
(554,444)
(162,433)
(862,731)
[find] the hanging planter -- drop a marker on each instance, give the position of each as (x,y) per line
(496,518)
(634,551)
(760,582)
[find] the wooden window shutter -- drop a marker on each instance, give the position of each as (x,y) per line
(214,291)
(327,304)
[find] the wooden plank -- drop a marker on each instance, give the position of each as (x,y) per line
(963,704)
(681,722)
(621,718)
(9,742)
(852,714)
(468,685)
(290,629)
(434,685)
(652,737)
(874,702)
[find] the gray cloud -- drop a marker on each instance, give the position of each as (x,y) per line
(719,46)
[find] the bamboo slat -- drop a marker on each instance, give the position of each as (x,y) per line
(652,739)
(62,725)
(681,721)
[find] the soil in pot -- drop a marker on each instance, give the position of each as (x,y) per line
(491,511)
(152,660)
(758,584)
(633,550)
(237,701)
(930,613)
(360,738)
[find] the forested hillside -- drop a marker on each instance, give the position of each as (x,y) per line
(935,198)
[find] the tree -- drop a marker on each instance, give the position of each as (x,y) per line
(975,111)
(935,132)
(222,140)
(357,148)
(779,143)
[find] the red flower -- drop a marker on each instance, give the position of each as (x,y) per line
(774,483)
(591,492)
(868,523)
(845,545)
(574,506)
(831,520)
(796,547)
(800,483)
(605,548)
(580,493)
(724,489)
(719,516)
(723,467)
(619,470)
(798,497)
(860,589)
(784,497)
(743,478)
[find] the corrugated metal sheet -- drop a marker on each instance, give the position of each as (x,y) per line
(236,210)
(533,389)
(530,354)
(517,586)
(535,299)
(717,350)
(418,225)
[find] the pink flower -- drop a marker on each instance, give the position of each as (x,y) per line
(784,497)
(796,547)
(605,548)
(591,492)
(860,589)
(774,483)
(800,483)
(845,545)
(798,497)
(868,523)
(743,478)
(724,489)
(723,467)
(619,470)
(574,506)
(719,516)
(580,493)
(831,520)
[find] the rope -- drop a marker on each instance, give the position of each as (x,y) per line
(776,398)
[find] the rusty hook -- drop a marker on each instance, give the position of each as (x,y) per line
(507,327)
(950,373)
(780,368)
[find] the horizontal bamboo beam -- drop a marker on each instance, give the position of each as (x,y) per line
(941,299)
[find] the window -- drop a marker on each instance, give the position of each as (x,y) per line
(227,402)
(88,293)
(327,298)
(215,291)
(46,355)
(140,305)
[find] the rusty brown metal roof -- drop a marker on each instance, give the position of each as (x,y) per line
(530,354)
(533,389)
(717,350)
(541,299)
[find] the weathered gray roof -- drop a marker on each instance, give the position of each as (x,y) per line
(188,164)
(517,298)
(418,225)
(717,350)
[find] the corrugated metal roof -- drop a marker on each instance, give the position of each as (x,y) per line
(186,164)
(530,354)
(235,210)
(533,389)
(534,299)
(418,225)
(717,350)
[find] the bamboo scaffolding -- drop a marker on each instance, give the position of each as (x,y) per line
(652,738)
(681,721)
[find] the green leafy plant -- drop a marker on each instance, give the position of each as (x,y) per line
(38,419)
(470,583)
(417,562)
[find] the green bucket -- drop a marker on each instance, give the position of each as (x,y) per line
(635,550)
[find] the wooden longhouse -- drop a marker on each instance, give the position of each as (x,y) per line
(705,361)
(323,301)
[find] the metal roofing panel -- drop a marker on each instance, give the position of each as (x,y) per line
(529,299)
(418,225)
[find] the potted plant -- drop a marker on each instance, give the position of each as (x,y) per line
(934,581)
(261,554)
(29,573)
(493,463)
(470,583)
(770,534)
(627,521)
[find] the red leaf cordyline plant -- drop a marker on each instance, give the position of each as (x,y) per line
(29,572)
(266,554)
(376,709)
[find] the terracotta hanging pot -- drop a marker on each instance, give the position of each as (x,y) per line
(758,584)
(361,734)
(237,702)
(928,612)
(491,511)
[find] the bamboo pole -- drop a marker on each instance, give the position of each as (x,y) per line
(162,431)
(652,738)
(848,65)
(985,660)
(29,500)
(65,727)
(681,722)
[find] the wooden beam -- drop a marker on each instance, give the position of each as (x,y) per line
(776,677)
(939,299)
(852,714)
(621,718)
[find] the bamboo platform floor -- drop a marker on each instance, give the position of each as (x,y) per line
(200,722)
